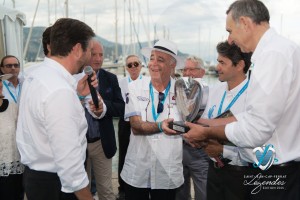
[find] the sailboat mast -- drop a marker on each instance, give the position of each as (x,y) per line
(67,8)
(116,31)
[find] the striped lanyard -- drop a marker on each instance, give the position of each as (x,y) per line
(155,115)
(233,100)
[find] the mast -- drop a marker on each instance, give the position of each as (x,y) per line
(30,31)
(67,8)
(116,32)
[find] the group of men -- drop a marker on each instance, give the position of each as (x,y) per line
(60,127)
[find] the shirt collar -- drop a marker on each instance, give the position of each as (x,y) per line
(238,87)
(61,70)
(267,36)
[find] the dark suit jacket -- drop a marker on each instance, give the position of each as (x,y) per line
(108,88)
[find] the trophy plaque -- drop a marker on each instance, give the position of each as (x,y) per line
(191,98)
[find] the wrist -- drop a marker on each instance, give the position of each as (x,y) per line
(159,126)
(81,98)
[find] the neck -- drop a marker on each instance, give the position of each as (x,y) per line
(233,83)
(14,81)
(134,78)
(1,101)
(66,63)
(160,85)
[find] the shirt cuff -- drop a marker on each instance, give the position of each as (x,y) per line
(230,152)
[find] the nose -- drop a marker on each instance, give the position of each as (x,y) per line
(230,40)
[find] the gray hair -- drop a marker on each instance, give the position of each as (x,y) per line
(254,9)
(133,55)
(195,59)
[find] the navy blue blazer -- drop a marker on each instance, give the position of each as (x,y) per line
(108,88)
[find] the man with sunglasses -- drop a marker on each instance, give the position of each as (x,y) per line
(12,88)
(133,67)
(153,163)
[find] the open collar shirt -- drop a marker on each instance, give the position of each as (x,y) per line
(11,92)
(216,93)
(52,126)
(272,105)
(152,161)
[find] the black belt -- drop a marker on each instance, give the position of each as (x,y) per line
(92,140)
(228,166)
(282,165)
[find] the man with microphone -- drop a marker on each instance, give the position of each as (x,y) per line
(101,134)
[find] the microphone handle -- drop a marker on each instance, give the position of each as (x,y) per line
(93,92)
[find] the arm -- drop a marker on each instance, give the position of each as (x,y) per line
(84,194)
(64,117)
(140,127)
(217,122)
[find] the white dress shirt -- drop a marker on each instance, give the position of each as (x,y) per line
(51,130)
(152,161)
(272,105)
(211,111)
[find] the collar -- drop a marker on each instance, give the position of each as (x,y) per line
(237,88)
(267,36)
(61,70)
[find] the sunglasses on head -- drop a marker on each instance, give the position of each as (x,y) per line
(16,65)
(133,64)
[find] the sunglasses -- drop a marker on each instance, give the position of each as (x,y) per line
(133,64)
(16,65)
(160,106)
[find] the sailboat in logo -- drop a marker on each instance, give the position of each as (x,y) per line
(265,157)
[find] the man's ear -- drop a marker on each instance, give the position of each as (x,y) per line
(241,65)
(77,50)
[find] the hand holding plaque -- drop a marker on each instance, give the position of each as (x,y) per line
(191,98)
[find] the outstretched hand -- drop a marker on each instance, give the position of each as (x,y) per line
(196,136)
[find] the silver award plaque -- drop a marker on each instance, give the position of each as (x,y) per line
(191,98)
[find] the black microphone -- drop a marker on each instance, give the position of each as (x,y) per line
(88,70)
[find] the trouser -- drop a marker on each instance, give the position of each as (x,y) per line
(195,166)
(133,193)
(11,187)
(123,135)
(279,182)
(226,183)
(44,185)
(102,168)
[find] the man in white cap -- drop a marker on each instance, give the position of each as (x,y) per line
(153,164)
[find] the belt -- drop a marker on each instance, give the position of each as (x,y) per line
(92,140)
(228,166)
(282,165)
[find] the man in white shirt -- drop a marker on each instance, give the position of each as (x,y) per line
(153,163)
(51,130)
(133,66)
(12,87)
(272,109)
(225,181)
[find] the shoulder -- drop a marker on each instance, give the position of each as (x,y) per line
(107,73)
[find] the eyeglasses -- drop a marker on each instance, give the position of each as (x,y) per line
(189,69)
(15,65)
(160,106)
(133,64)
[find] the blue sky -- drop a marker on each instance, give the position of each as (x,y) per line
(195,25)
